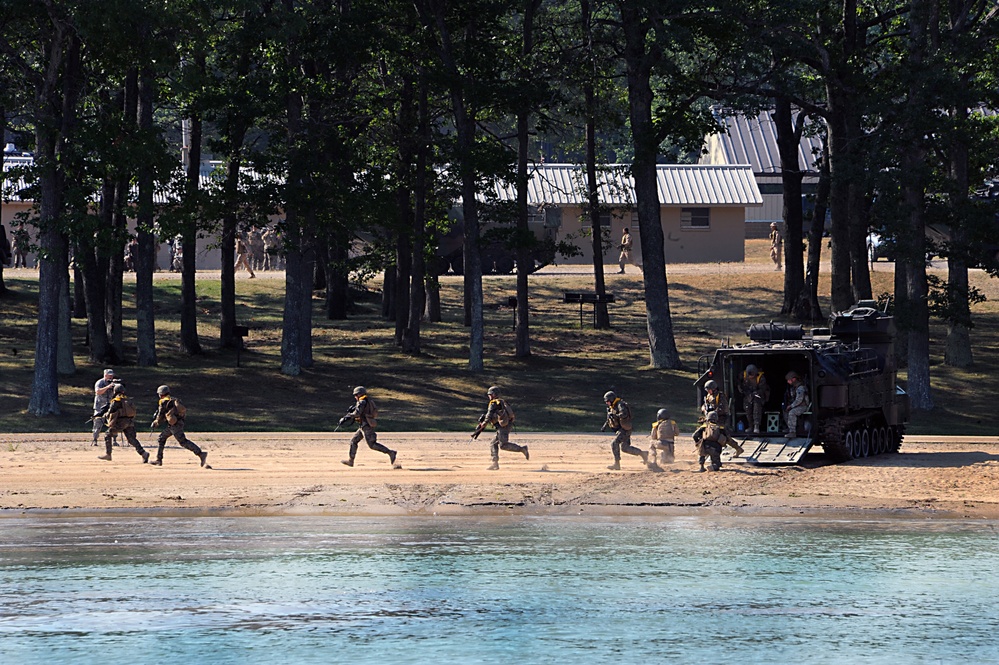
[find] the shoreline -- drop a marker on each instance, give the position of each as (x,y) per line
(261,475)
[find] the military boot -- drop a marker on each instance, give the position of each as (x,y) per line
(347,462)
(616,466)
(493,467)
(106,458)
(738,449)
(527,455)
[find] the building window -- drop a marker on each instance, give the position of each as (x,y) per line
(634,222)
(695,218)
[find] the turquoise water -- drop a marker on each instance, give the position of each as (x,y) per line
(504,590)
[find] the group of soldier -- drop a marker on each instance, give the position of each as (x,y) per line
(258,249)
(114,410)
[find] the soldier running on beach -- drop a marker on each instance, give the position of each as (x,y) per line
(662,438)
(709,439)
(120,419)
(499,415)
(172,413)
(364,413)
(619,420)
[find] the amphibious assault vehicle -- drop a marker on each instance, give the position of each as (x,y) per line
(856,409)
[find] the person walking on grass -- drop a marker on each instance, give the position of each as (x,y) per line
(499,415)
(242,256)
(120,419)
(171,413)
(619,419)
(625,247)
(365,414)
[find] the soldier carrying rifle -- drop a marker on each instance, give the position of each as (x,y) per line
(500,415)
(364,413)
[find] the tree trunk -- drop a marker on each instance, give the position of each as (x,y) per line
(189,342)
(145,315)
(291,351)
(433,299)
(808,308)
(51,256)
(958,351)
(119,183)
(662,344)
(788,139)
(65,363)
(95,289)
(839,199)
(227,294)
(411,341)
(601,317)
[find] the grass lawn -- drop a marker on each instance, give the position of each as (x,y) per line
(559,388)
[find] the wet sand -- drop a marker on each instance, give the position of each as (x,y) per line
(444,474)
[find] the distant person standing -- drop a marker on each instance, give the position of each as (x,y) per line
(619,419)
(172,413)
(625,248)
(120,419)
(499,415)
(662,439)
(20,239)
(776,245)
(272,248)
(102,398)
(242,260)
(364,413)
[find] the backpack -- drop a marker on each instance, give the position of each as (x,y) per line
(177,411)
(372,415)
(127,408)
(506,416)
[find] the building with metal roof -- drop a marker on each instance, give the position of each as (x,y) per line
(702,208)
(753,141)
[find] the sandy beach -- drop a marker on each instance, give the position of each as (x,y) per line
(281,473)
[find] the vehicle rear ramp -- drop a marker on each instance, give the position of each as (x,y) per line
(771,450)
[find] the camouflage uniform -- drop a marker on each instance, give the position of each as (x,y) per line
(119,423)
(710,438)
(776,245)
(755,393)
(165,413)
(663,436)
(716,401)
(619,420)
(796,401)
(272,249)
(495,413)
(364,413)
(255,242)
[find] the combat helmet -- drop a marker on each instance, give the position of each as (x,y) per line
(610,396)
(791,375)
(712,417)
(117,388)
(493,391)
(163,390)
(662,414)
(711,385)
(360,390)
(751,370)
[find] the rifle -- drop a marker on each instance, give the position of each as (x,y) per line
(99,415)
(347,418)
(479,429)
